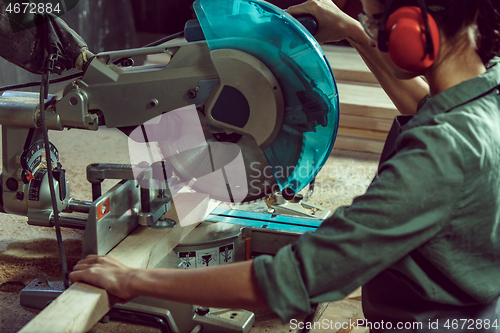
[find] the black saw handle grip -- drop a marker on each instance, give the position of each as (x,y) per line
(192,31)
(309,22)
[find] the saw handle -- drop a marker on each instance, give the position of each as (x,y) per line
(309,22)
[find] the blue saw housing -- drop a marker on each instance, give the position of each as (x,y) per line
(295,58)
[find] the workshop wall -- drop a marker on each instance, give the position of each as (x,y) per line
(113,25)
(104,25)
(169,17)
(162,17)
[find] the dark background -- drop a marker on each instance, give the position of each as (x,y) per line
(108,25)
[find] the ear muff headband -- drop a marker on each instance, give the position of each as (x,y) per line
(411,37)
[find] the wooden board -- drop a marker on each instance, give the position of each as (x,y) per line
(82,305)
(338,317)
(340,313)
(367,101)
(367,111)
(357,144)
(376,124)
(362,133)
(347,64)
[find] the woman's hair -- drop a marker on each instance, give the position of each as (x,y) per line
(453,16)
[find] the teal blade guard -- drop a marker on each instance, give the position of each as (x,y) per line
(300,66)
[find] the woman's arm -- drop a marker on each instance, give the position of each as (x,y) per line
(225,286)
(335,25)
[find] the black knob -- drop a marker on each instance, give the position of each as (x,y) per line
(12,184)
(202,310)
(288,193)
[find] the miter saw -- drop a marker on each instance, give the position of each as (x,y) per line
(245,108)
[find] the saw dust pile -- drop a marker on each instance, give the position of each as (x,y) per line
(24,261)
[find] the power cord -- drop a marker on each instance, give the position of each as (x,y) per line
(36,84)
(44,88)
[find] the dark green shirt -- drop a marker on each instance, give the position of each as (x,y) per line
(424,238)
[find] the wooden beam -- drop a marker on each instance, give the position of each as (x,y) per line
(79,307)
(347,64)
(357,144)
(362,133)
(368,101)
(368,111)
(374,124)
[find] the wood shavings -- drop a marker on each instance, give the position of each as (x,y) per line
(270,201)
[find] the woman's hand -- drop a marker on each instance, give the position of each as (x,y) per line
(106,272)
(333,23)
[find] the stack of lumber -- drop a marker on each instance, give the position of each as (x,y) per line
(366,112)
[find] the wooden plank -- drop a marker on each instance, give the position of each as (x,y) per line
(347,64)
(79,307)
(362,133)
(356,144)
(339,315)
(365,101)
(368,111)
(375,124)
(364,95)
(188,207)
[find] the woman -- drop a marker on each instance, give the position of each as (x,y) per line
(424,241)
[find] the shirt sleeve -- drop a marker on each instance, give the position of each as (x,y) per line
(409,201)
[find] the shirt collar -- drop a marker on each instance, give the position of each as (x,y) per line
(459,94)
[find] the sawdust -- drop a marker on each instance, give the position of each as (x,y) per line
(270,200)
(24,261)
(9,287)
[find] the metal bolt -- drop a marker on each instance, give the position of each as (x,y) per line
(192,93)
(127,62)
(202,310)
(165,223)
(154,103)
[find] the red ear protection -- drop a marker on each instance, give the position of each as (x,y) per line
(407,40)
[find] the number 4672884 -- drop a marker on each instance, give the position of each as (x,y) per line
(33,8)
